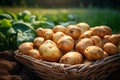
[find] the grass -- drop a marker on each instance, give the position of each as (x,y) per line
(94,17)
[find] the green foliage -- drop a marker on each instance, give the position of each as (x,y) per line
(18,28)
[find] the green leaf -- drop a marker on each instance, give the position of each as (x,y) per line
(5,16)
(5,23)
(25,32)
(67,23)
(12,15)
(43,24)
(25,36)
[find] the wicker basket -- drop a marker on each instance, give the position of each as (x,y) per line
(98,70)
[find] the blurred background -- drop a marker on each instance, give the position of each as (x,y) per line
(93,12)
(114,4)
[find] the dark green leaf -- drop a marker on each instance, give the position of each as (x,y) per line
(5,16)
(25,32)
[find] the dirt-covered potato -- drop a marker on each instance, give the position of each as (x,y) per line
(34,53)
(48,35)
(58,28)
(25,47)
(40,32)
(110,48)
(93,53)
(65,43)
(57,36)
(50,52)
(98,31)
(72,58)
(74,32)
(86,34)
(115,38)
(97,41)
(107,29)
(83,26)
(82,44)
(38,41)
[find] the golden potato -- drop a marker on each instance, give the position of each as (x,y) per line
(40,32)
(97,41)
(57,36)
(25,47)
(60,28)
(70,26)
(51,42)
(110,48)
(98,31)
(105,54)
(107,29)
(82,44)
(38,41)
(87,62)
(83,26)
(86,34)
(106,39)
(34,53)
(72,58)
(114,39)
(93,53)
(48,35)
(118,48)
(50,52)
(74,32)
(65,43)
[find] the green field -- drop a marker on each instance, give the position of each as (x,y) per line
(94,17)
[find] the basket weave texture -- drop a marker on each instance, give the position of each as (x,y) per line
(98,70)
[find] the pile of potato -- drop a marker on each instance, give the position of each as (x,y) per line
(73,44)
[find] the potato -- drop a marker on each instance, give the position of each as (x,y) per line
(82,44)
(93,53)
(105,54)
(86,34)
(70,26)
(25,47)
(97,41)
(83,26)
(114,39)
(110,48)
(106,39)
(50,41)
(34,53)
(65,43)
(48,29)
(50,52)
(59,28)
(74,32)
(107,29)
(57,36)
(48,35)
(72,58)
(40,32)
(38,41)
(87,62)
(118,48)
(98,31)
